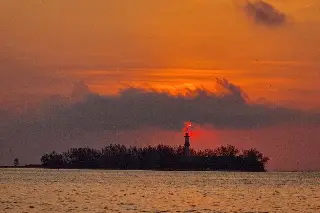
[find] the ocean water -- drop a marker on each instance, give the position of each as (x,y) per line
(41,190)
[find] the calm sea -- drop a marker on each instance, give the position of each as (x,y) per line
(40,190)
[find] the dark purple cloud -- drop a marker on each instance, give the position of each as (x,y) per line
(136,108)
(264,13)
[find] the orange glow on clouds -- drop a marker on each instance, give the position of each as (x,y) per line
(159,45)
(286,90)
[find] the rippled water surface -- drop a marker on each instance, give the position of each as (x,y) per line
(40,190)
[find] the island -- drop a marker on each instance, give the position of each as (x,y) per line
(161,157)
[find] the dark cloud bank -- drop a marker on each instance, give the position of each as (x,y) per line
(136,108)
(264,13)
(87,118)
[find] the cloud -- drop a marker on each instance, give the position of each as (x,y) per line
(80,90)
(136,108)
(264,13)
(92,120)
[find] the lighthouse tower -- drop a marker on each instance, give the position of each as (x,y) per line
(186,144)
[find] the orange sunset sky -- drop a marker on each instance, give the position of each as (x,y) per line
(269,49)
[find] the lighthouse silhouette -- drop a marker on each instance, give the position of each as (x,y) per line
(186,144)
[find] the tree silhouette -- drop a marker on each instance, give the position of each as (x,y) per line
(161,157)
(229,150)
(254,159)
(16,162)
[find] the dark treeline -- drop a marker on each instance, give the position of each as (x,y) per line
(161,157)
